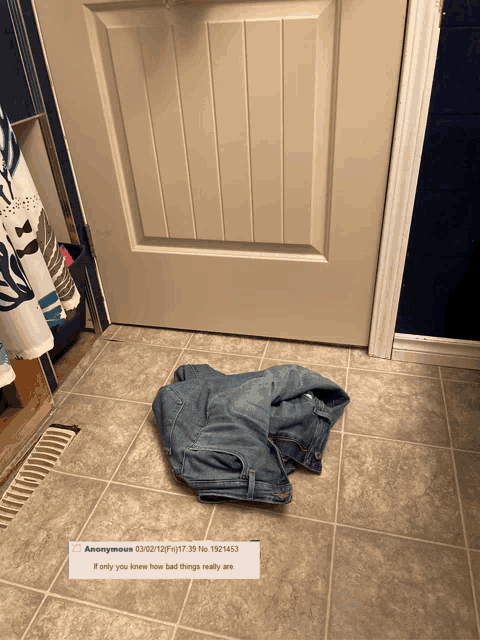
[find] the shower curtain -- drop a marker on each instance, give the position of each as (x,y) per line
(36,288)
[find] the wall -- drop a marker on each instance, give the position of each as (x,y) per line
(442,268)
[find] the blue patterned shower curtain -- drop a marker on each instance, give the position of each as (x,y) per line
(36,288)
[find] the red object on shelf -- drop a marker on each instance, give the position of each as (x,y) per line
(66,255)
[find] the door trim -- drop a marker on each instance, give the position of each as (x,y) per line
(418,65)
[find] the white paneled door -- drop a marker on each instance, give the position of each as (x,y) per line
(231,157)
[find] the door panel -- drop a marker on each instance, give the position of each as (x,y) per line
(232,157)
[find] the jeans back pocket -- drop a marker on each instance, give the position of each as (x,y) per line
(212,465)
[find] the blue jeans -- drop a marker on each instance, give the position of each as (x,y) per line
(237,437)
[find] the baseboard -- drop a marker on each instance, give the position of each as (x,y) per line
(463,354)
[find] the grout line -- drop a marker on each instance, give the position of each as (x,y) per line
(420,444)
(89,603)
(334,538)
(205,634)
(301,363)
(122,484)
(77,393)
(348,367)
(47,593)
(114,333)
(98,605)
(342,433)
(336,430)
(205,537)
(22,586)
(88,368)
(263,356)
(176,365)
(191,579)
(278,515)
(460,506)
(399,535)
(90,395)
(270,511)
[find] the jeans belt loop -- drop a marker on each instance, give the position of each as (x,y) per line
(251,484)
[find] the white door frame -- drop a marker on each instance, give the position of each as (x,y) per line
(416,79)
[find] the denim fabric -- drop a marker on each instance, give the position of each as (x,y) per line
(237,437)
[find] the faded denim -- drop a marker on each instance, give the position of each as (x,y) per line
(237,437)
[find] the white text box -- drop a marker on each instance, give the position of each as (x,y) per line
(205,559)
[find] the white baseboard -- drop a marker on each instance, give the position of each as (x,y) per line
(447,352)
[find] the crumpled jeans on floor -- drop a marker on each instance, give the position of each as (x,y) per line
(237,437)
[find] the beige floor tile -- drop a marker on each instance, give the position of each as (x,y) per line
(74,376)
(463,410)
(288,601)
(239,345)
(383,587)
(110,331)
(386,587)
(467,375)
(35,543)
(129,371)
(152,335)
(147,465)
(307,352)
(475,561)
(468,471)
(131,514)
(59,398)
(76,351)
(359,359)
(396,406)
(18,607)
(107,427)
(61,620)
(187,634)
(399,488)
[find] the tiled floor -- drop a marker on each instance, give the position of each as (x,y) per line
(385,543)
(68,360)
